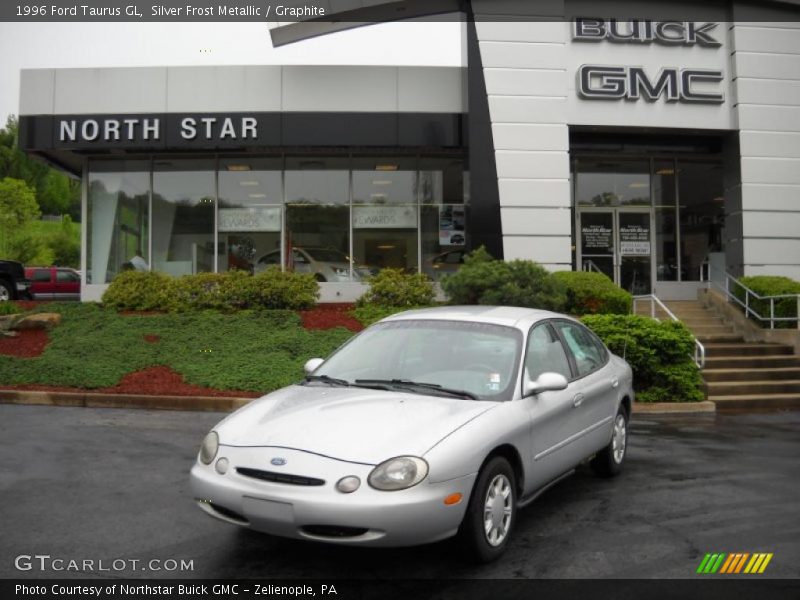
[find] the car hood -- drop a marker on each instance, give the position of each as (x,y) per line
(352,424)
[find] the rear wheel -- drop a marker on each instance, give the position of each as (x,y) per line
(5,292)
(608,462)
(491,513)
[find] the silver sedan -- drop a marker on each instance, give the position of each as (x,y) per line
(429,424)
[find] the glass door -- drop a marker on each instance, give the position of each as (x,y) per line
(634,235)
(618,243)
(597,247)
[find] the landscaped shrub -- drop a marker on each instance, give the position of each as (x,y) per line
(231,291)
(659,352)
(395,287)
(134,290)
(593,294)
(9,308)
(770,285)
(484,280)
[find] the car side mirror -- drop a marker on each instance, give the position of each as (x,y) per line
(546,382)
(312,364)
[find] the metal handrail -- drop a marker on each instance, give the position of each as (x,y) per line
(587,262)
(748,294)
(699,357)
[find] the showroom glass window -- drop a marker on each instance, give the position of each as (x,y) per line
(702,214)
(610,182)
(249,213)
(317,235)
(184,199)
(666,220)
(444,203)
(385,214)
(117,218)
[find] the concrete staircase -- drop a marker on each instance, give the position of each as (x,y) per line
(740,374)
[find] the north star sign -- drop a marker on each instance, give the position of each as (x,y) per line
(132,129)
(675,84)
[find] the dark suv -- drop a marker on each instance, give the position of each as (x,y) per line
(13,283)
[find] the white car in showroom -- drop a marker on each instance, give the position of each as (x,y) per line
(429,424)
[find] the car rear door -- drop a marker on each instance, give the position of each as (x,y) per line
(67,285)
(596,390)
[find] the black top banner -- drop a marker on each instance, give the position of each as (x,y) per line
(377,11)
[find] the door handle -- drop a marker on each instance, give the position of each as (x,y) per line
(614,382)
(577,400)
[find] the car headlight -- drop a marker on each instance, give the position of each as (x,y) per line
(398,473)
(341,271)
(208,450)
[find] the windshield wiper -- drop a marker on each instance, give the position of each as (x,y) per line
(327,379)
(407,383)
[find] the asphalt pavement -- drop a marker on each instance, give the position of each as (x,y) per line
(109,485)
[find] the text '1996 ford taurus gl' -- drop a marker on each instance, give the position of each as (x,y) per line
(429,424)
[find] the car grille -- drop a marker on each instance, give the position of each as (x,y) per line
(334,531)
(279,477)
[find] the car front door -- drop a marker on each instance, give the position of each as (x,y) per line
(552,414)
(597,388)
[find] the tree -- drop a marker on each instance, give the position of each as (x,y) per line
(18,207)
(56,193)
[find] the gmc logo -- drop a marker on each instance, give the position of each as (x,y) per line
(602,82)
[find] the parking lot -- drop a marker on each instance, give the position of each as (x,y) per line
(110,484)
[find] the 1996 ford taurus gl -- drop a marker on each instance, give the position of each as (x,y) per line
(428,424)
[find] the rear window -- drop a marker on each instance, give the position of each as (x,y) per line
(41,275)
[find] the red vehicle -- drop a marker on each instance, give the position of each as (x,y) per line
(54,283)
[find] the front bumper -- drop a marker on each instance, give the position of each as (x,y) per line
(366,517)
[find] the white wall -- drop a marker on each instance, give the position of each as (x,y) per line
(766,63)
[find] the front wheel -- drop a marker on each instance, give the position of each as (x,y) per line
(491,513)
(608,462)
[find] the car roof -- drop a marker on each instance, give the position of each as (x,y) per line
(510,316)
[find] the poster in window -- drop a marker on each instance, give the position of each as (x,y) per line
(634,240)
(452,225)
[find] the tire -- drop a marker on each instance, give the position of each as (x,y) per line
(610,460)
(6,293)
(495,487)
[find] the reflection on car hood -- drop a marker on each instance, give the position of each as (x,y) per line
(352,424)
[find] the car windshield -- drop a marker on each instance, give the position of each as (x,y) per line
(324,255)
(481,359)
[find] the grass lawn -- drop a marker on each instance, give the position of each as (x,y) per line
(247,351)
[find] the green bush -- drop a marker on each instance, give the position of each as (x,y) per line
(593,294)
(134,290)
(770,285)
(395,287)
(484,280)
(227,292)
(659,352)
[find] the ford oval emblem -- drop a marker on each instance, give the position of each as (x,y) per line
(278,461)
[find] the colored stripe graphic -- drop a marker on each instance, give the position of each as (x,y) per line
(724,563)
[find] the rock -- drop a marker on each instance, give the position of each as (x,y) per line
(37,321)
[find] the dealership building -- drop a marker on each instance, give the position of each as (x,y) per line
(652,150)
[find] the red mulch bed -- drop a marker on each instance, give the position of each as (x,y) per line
(30,343)
(27,305)
(152,381)
(328,316)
